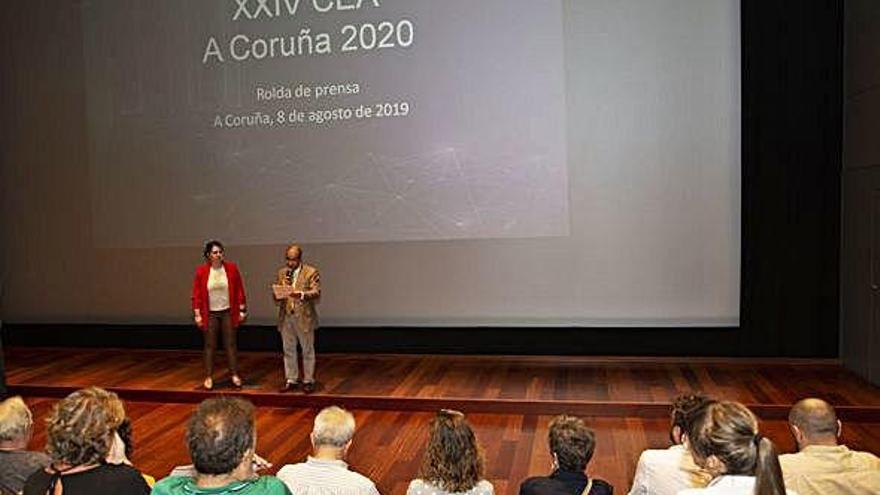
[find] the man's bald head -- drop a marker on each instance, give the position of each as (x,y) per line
(816,421)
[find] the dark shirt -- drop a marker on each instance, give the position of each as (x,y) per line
(563,483)
(16,466)
(106,479)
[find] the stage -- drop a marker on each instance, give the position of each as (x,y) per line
(509,399)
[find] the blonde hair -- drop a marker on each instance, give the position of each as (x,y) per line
(81,426)
(15,420)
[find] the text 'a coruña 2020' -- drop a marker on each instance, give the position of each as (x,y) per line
(353,38)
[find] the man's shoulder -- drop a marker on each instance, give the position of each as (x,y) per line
(530,484)
(302,470)
(170,485)
(810,457)
(270,485)
(309,269)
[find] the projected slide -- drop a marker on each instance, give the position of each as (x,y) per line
(256,121)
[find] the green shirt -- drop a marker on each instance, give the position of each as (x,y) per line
(184,485)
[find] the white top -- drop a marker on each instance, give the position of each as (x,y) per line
(667,471)
(325,477)
(218,289)
(421,487)
(728,485)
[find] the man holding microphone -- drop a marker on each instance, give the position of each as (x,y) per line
(297,289)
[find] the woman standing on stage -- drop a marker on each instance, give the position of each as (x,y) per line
(219,306)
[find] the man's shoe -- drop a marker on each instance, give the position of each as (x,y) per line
(309,387)
(290,386)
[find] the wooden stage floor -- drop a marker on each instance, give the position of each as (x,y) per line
(509,400)
(495,384)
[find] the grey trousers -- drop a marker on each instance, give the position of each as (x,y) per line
(290,335)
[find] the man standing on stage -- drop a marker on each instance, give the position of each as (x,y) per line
(297,289)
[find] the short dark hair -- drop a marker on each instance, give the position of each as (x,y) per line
(572,442)
(219,434)
(211,245)
(683,408)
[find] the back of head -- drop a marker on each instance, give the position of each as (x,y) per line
(219,434)
(683,408)
(816,420)
(81,426)
(15,421)
(334,427)
(453,461)
(724,439)
(571,442)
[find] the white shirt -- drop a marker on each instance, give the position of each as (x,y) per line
(728,484)
(667,471)
(218,289)
(325,477)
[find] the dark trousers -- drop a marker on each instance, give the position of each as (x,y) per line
(220,322)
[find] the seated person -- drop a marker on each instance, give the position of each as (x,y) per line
(325,471)
(571,445)
(123,448)
(724,439)
(221,437)
(16,463)
(80,431)
(822,466)
(666,471)
(453,461)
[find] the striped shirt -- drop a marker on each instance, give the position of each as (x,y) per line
(325,477)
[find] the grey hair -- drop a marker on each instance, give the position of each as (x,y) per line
(15,419)
(333,426)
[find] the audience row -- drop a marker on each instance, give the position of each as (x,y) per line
(717,449)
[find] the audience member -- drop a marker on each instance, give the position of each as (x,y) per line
(122,449)
(221,437)
(724,439)
(80,431)
(325,471)
(822,466)
(666,471)
(571,445)
(453,461)
(16,463)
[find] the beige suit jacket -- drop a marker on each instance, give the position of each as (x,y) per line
(309,283)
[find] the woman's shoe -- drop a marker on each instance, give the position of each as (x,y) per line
(208,383)
(236,381)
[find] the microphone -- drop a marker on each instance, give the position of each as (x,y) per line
(290,276)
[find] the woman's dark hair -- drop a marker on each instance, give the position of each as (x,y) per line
(729,431)
(124,432)
(572,442)
(219,434)
(453,461)
(211,245)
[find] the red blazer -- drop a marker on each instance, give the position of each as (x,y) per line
(236,292)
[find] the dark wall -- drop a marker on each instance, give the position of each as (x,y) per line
(792,54)
(860,257)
